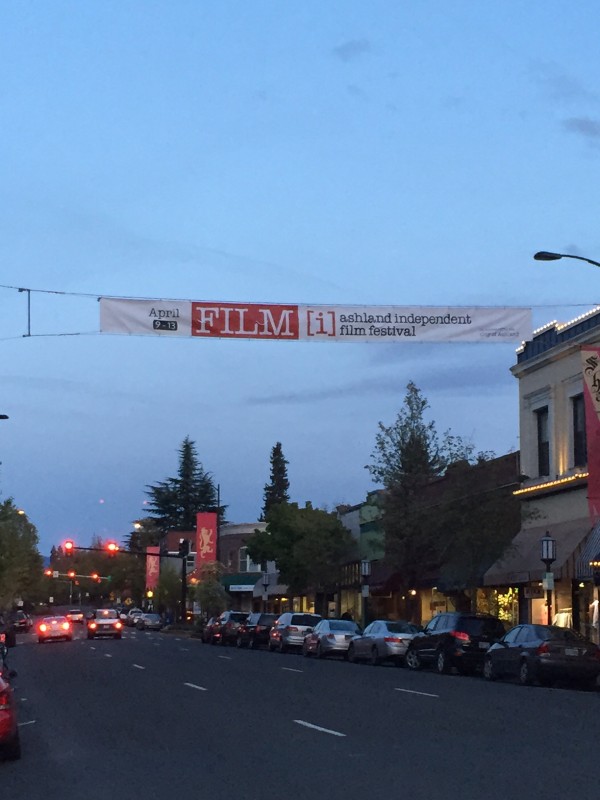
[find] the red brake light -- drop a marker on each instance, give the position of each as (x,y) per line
(543,648)
(4,701)
(396,639)
(65,626)
(118,625)
(461,636)
(331,635)
(92,624)
(43,627)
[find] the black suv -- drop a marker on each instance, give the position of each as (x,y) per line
(254,632)
(226,628)
(453,639)
(7,631)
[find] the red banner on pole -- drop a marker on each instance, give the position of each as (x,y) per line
(152,567)
(206,537)
(591,392)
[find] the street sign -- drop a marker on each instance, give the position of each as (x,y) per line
(50,599)
(548,581)
(55,574)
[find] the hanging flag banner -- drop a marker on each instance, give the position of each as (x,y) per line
(152,567)
(318,323)
(590,357)
(206,537)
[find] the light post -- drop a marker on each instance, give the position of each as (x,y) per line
(365,571)
(265,585)
(544,255)
(548,556)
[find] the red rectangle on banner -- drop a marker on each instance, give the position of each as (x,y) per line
(206,537)
(152,567)
(245,320)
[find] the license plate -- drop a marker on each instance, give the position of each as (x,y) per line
(571,651)
(484,645)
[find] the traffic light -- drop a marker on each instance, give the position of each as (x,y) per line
(68,547)
(112,549)
(71,573)
(95,577)
(184,547)
(48,573)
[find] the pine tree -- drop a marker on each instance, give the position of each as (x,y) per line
(175,502)
(277,491)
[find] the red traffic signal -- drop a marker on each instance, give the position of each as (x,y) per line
(95,577)
(112,548)
(68,547)
(48,573)
(71,573)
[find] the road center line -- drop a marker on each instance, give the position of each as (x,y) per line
(107,655)
(423,694)
(194,686)
(138,666)
(318,728)
(291,669)
(30,722)
(227,658)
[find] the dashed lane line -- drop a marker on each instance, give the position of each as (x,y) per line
(226,658)
(291,669)
(411,691)
(195,686)
(107,655)
(138,666)
(318,728)
(29,722)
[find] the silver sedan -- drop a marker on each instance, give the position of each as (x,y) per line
(383,640)
(330,636)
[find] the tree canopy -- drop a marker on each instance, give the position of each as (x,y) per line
(20,562)
(175,502)
(277,490)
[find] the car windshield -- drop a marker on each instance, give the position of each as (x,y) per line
(343,625)
(238,616)
(152,617)
(106,613)
(56,620)
(402,627)
(558,634)
(266,619)
(480,626)
(305,619)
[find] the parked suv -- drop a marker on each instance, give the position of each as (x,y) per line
(226,629)
(7,631)
(254,632)
(454,639)
(290,630)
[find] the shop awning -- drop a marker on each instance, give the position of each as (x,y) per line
(522,563)
(240,581)
(275,589)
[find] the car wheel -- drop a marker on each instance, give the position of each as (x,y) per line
(375,659)
(305,651)
(441,663)
(525,674)
(351,655)
(118,636)
(68,638)
(251,643)
(489,673)
(412,659)
(320,653)
(90,636)
(11,750)
(238,642)
(282,647)
(41,641)
(270,647)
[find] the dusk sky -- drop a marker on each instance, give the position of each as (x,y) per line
(380,153)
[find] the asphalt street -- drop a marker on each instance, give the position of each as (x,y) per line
(157,716)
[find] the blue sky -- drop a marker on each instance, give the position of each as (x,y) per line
(343,152)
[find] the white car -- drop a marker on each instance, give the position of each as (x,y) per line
(132,616)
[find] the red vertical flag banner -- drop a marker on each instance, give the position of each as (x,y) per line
(206,537)
(152,567)
(591,379)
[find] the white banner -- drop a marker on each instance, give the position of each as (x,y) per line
(315,323)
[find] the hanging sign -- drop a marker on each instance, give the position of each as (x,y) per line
(290,322)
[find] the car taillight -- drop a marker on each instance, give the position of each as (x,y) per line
(65,626)
(543,648)
(118,625)
(395,639)
(4,701)
(43,627)
(331,635)
(92,624)
(461,636)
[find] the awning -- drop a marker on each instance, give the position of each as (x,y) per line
(522,563)
(240,581)
(275,589)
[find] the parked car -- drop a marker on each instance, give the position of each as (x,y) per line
(10,745)
(254,631)
(329,637)
(7,632)
(75,615)
(105,622)
(53,628)
(209,629)
(453,639)
(22,622)
(149,622)
(132,616)
(226,628)
(543,653)
(383,640)
(290,629)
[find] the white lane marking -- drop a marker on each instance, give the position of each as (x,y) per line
(107,655)
(318,728)
(290,669)
(177,640)
(195,686)
(23,699)
(31,722)
(423,694)
(138,666)
(184,649)
(227,658)
(92,648)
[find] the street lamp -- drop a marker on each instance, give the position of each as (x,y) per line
(365,571)
(548,556)
(544,255)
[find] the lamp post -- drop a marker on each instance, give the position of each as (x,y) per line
(365,571)
(544,255)
(265,585)
(548,556)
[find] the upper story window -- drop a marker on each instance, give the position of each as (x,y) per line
(246,563)
(543,441)
(579,438)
